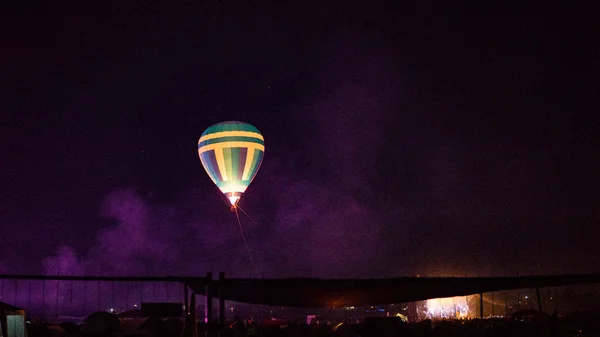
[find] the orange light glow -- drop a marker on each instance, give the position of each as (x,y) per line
(449,307)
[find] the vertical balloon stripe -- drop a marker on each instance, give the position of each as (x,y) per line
(209,161)
(234,158)
(248,164)
(221,163)
(205,165)
(229,164)
(241,160)
(214,167)
(256,163)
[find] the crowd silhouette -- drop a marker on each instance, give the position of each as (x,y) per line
(105,324)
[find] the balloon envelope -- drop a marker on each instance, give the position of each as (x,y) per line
(231,153)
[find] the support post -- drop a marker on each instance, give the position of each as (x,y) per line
(221,295)
(481,305)
(493,305)
(539,300)
(209,297)
(189,329)
(193,315)
(506,304)
(186,302)
(412,312)
(480,314)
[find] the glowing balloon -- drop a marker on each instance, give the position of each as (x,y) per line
(231,153)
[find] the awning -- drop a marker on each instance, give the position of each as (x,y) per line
(321,293)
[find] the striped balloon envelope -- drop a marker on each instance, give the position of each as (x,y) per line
(231,153)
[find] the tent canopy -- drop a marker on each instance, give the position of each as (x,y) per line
(6,308)
(12,320)
(322,293)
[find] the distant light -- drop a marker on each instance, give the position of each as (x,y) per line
(449,307)
(135,305)
(112,310)
(526,297)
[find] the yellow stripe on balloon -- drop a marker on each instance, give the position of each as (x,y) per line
(220,146)
(221,163)
(231,134)
(248,165)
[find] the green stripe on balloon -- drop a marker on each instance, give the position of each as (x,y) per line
(230,126)
(230,139)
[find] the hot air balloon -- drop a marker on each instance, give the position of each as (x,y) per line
(231,153)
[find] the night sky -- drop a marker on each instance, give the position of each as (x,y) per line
(399,141)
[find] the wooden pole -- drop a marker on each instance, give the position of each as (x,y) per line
(221,303)
(481,305)
(186,301)
(506,304)
(544,322)
(480,314)
(208,304)
(539,299)
(191,329)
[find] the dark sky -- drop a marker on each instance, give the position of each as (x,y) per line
(399,141)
